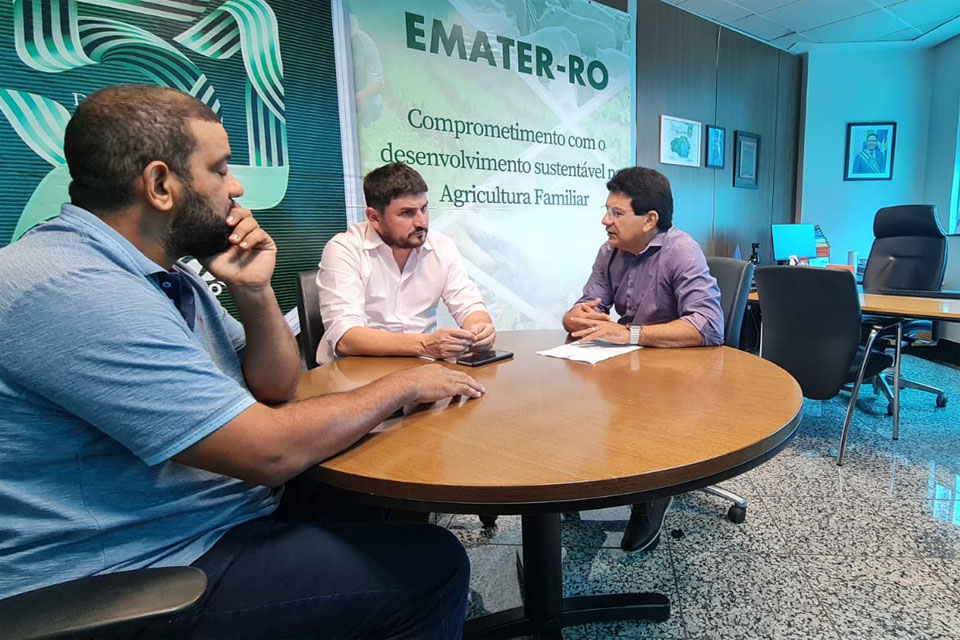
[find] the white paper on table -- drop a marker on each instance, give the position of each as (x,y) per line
(591,352)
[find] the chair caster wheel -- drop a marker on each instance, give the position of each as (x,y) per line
(488,520)
(941,401)
(737,514)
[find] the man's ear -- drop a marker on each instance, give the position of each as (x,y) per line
(374,217)
(160,186)
(651,220)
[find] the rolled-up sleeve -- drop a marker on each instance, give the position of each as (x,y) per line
(598,285)
(341,292)
(698,296)
(460,294)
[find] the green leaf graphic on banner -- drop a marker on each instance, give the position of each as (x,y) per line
(61,50)
(181,10)
(52,37)
(44,204)
(250,27)
(40,122)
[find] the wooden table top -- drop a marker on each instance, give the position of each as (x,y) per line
(551,430)
(903,306)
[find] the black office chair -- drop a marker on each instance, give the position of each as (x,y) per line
(308,309)
(733,278)
(811,328)
(908,257)
(101,606)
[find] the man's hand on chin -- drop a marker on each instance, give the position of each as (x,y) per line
(251,258)
(607,331)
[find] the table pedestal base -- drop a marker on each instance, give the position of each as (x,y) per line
(545,611)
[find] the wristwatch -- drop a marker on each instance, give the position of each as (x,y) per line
(635,330)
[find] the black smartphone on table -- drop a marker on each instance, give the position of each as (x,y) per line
(480,358)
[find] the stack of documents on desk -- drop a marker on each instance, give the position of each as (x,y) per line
(592,352)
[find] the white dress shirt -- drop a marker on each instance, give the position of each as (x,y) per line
(361,286)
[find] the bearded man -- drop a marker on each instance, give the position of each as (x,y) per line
(138,420)
(381,280)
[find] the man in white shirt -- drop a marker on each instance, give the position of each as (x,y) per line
(380,280)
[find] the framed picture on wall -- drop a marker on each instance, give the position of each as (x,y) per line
(679,141)
(716,147)
(869,153)
(746,159)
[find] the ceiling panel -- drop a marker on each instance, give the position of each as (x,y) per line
(927,27)
(720,10)
(760,27)
(798,25)
(810,14)
(789,40)
(921,11)
(898,36)
(862,28)
(761,6)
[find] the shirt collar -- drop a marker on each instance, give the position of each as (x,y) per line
(371,239)
(656,242)
(100,230)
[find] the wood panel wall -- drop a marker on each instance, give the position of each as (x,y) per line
(691,68)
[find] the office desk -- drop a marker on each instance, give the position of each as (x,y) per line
(894,306)
(553,435)
(903,306)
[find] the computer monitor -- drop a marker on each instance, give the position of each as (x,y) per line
(793,240)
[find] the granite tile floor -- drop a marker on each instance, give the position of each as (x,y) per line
(867,551)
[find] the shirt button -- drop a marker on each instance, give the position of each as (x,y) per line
(166,284)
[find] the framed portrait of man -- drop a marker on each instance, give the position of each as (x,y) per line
(870,147)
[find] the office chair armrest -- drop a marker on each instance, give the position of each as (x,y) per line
(89,604)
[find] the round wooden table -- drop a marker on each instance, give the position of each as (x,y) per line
(553,435)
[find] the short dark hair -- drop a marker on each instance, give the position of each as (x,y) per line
(390,181)
(648,190)
(117,131)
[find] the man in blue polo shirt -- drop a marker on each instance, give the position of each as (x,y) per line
(133,425)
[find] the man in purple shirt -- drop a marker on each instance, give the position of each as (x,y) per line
(657,279)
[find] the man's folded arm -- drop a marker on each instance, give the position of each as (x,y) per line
(698,297)
(479,316)
(460,293)
(341,298)
(271,360)
(596,288)
(268,446)
(366,341)
(676,333)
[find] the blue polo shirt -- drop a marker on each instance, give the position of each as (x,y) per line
(109,367)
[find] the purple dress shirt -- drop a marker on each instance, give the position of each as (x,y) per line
(668,280)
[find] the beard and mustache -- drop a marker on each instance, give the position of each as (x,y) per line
(413,240)
(197,229)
